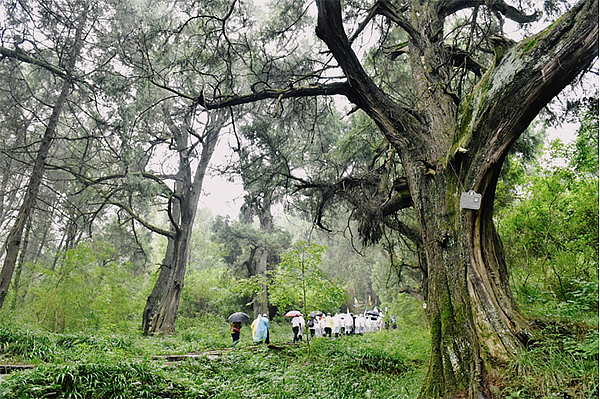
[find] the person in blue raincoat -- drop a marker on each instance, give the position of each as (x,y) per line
(262,330)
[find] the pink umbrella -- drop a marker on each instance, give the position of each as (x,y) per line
(293,313)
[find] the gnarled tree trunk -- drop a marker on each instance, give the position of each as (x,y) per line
(447,148)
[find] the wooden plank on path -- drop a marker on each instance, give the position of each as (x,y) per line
(9,368)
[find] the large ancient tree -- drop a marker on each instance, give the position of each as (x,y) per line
(449,145)
(452,136)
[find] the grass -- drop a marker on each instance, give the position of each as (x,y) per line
(378,365)
(561,362)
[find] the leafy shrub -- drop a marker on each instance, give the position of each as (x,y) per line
(209,291)
(26,344)
(88,290)
(120,380)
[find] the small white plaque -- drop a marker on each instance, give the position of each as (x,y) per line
(470,200)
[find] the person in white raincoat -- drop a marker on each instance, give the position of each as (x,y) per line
(337,325)
(262,330)
(254,325)
(319,326)
(360,324)
(328,324)
(348,324)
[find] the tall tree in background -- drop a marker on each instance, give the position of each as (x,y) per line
(160,312)
(251,252)
(267,155)
(86,139)
(65,54)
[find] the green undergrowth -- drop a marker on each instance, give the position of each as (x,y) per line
(389,364)
(561,361)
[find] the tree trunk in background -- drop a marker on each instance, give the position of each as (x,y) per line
(13,243)
(19,268)
(160,313)
(261,299)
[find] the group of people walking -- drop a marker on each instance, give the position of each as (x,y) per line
(319,324)
(343,324)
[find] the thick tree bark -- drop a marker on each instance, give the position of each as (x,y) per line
(160,313)
(445,150)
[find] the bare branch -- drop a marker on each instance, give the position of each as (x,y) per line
(293,92)
(394,14)
(91,182)
(22,56)
(142,221)
(510,12)
(376,9)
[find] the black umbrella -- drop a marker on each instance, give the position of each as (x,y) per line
(238,316)
(372,313)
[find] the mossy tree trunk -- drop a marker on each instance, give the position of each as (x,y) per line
(448,146)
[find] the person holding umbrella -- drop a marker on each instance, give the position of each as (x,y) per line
(298,327)
(236,320)
(236,328)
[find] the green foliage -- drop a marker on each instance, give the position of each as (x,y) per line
(299,282)
(205,253)
(551,235)
(407,310)
(89,290)
(549,227)
(211,290)
(89,380)
(240,241)
(25,345)
(378,365)
(586,146)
